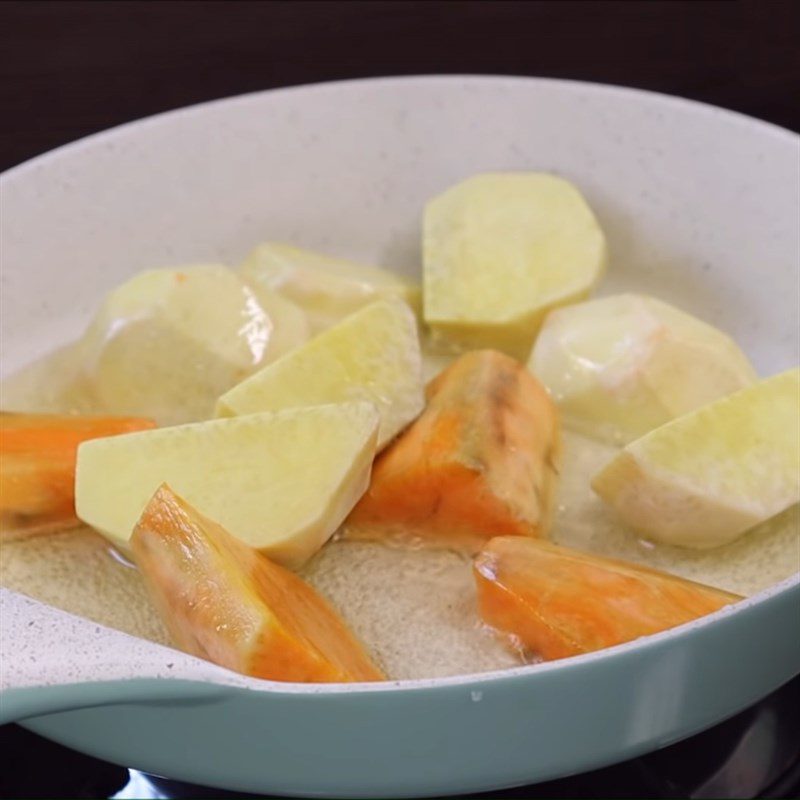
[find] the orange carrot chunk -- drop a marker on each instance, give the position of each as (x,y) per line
(37,465)
(480,461)
(225,602)
(559,602)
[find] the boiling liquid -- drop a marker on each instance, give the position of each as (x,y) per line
(415,609)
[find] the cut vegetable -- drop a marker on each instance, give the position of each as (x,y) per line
(481,461)
(500,251)
(620,366)
(37,465)
(327,289)
(290,326)
(226,602)
(280,482)
(372,355)
(168,342)
(558,602)
(706,478)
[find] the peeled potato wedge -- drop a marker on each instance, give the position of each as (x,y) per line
(622,365)
(166,343)
(372,355)
(500,250)
(281,482)
(224,601)
(559,602)
(327,289)
(480,461)
(706,478)
(289,324)
(37,465)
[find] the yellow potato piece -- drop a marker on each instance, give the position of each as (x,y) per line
(704,479)
(290,325)
(168,342)
(280,482)
(502,249)
(326,288)
(372,355)
(620,366)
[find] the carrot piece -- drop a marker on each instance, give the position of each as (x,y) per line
(560,602)
(228,603)
(480,461)
(37,465)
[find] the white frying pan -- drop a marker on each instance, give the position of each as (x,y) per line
(701,207)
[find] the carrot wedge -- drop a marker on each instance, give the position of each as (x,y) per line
(37,465)
(226,602)
(559,602)
(480,461)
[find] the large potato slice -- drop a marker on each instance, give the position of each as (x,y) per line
(326,288)
(705,478)
(168,342)
(281,482)
(372,355)
(620,366)
(501,250)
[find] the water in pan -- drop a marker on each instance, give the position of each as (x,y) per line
(415,609)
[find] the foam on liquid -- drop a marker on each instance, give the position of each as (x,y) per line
(415,609)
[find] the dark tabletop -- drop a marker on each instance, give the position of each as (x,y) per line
(72,68)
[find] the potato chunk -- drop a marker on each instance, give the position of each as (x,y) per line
(327,289)
(371,355)
(282,482)
(620,366)
(502,249)
(168,342)
(709,476)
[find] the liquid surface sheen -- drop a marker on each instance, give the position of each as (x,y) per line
(414,609)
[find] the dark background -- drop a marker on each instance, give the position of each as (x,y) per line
(72,68)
